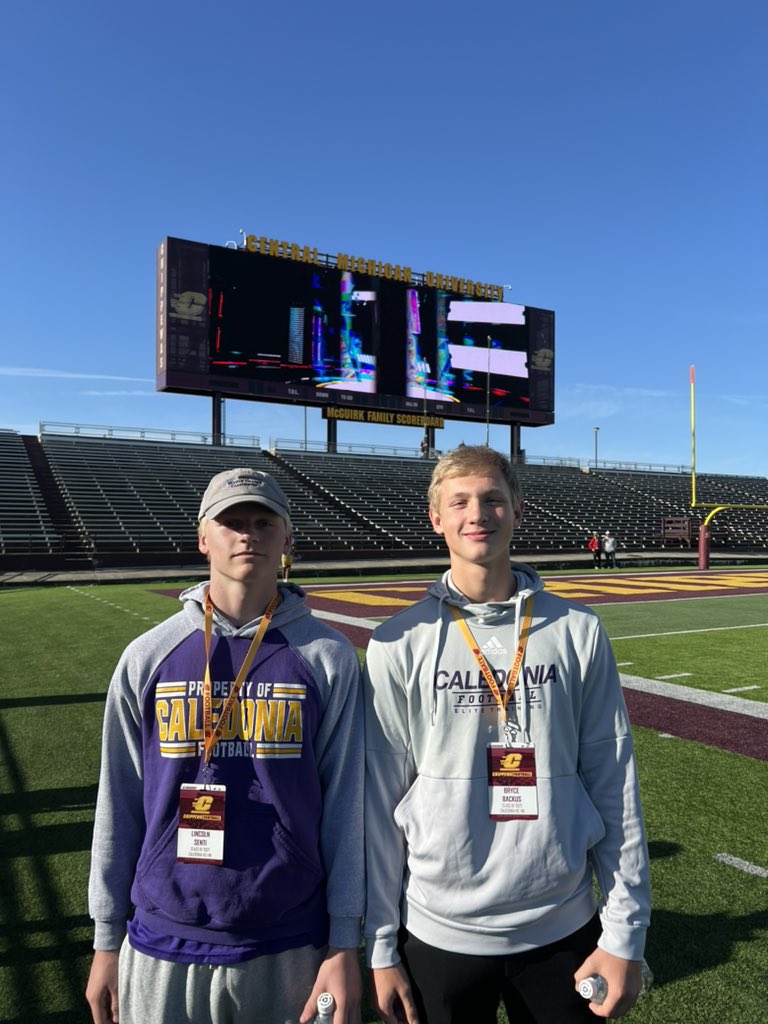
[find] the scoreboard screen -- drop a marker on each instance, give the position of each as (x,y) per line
(255,326)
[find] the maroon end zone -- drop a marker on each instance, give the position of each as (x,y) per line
(725,730)
(670,585)
(607,587)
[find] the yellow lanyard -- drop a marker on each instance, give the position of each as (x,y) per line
(485,668)
(211,735)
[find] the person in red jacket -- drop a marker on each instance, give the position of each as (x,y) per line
(595,547)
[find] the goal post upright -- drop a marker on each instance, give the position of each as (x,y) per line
(693,437)
(704,530)
(704,535)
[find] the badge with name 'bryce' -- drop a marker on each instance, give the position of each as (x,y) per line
(512,794)
(201,824)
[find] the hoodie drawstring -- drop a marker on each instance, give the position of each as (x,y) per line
(433,660)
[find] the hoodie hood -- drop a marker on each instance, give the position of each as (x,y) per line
(292,607)
(528,582)
(497,612)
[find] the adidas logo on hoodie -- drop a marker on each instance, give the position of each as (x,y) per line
(493,648)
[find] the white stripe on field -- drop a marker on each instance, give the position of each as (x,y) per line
(676,675)
(111,604)
(685,632)
(721,701)
(348,620)
(742,689)
(741,865)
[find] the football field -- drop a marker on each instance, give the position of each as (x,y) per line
(691,648)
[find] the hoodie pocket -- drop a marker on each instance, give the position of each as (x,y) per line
(467,868)
(266,876)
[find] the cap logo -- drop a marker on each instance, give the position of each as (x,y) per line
(243,484)
(245,481)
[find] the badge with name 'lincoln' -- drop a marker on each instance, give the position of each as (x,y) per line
(512,794)
(201,824)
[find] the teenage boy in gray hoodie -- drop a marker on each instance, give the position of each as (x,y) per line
(500,780)
(227,865)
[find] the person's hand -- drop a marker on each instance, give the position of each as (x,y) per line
(623,977)
(339,974)
(391,995)
(101,991)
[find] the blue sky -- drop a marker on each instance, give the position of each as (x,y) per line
(608,160)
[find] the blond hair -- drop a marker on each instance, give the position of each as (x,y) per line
(473,460)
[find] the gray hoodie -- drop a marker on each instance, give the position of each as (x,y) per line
(435,859)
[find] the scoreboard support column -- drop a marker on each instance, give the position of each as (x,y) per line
(217,418)
(429,441)
(516,453)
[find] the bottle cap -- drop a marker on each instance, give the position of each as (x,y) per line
(325,1003)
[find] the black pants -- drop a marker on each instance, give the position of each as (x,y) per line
(537,987)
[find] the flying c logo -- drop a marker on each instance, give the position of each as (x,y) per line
(511,762)
(202,804)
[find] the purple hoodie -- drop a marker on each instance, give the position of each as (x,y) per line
(291,758)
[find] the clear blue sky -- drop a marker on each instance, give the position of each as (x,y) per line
(609,160)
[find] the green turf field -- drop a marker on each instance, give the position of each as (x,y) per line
(708,943)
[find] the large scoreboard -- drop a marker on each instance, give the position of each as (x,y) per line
(274,322)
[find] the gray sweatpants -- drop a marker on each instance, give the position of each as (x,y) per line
(268,989)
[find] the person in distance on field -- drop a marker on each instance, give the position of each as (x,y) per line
(227,865)
(500,777)
(286,561)
(609,549)
(595,547)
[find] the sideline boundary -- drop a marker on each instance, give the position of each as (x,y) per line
(691,695)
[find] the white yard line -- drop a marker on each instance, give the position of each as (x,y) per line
(721,701)
(348,620)
(741,865)
(670,600)
(686,632)
(111,604)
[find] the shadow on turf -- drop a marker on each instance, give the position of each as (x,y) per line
(67,1017)
(40,801)
(21,949)
(683,945)
(660,848)
(43,700)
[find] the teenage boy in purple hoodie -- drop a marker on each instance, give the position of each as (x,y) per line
(227,879)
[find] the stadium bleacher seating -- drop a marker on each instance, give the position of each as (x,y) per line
(125,500)
(25,525)
(143,496)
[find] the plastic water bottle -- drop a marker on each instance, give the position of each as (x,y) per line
(595,988)
(325,1008)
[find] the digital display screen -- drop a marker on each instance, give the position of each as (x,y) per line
(249,325)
